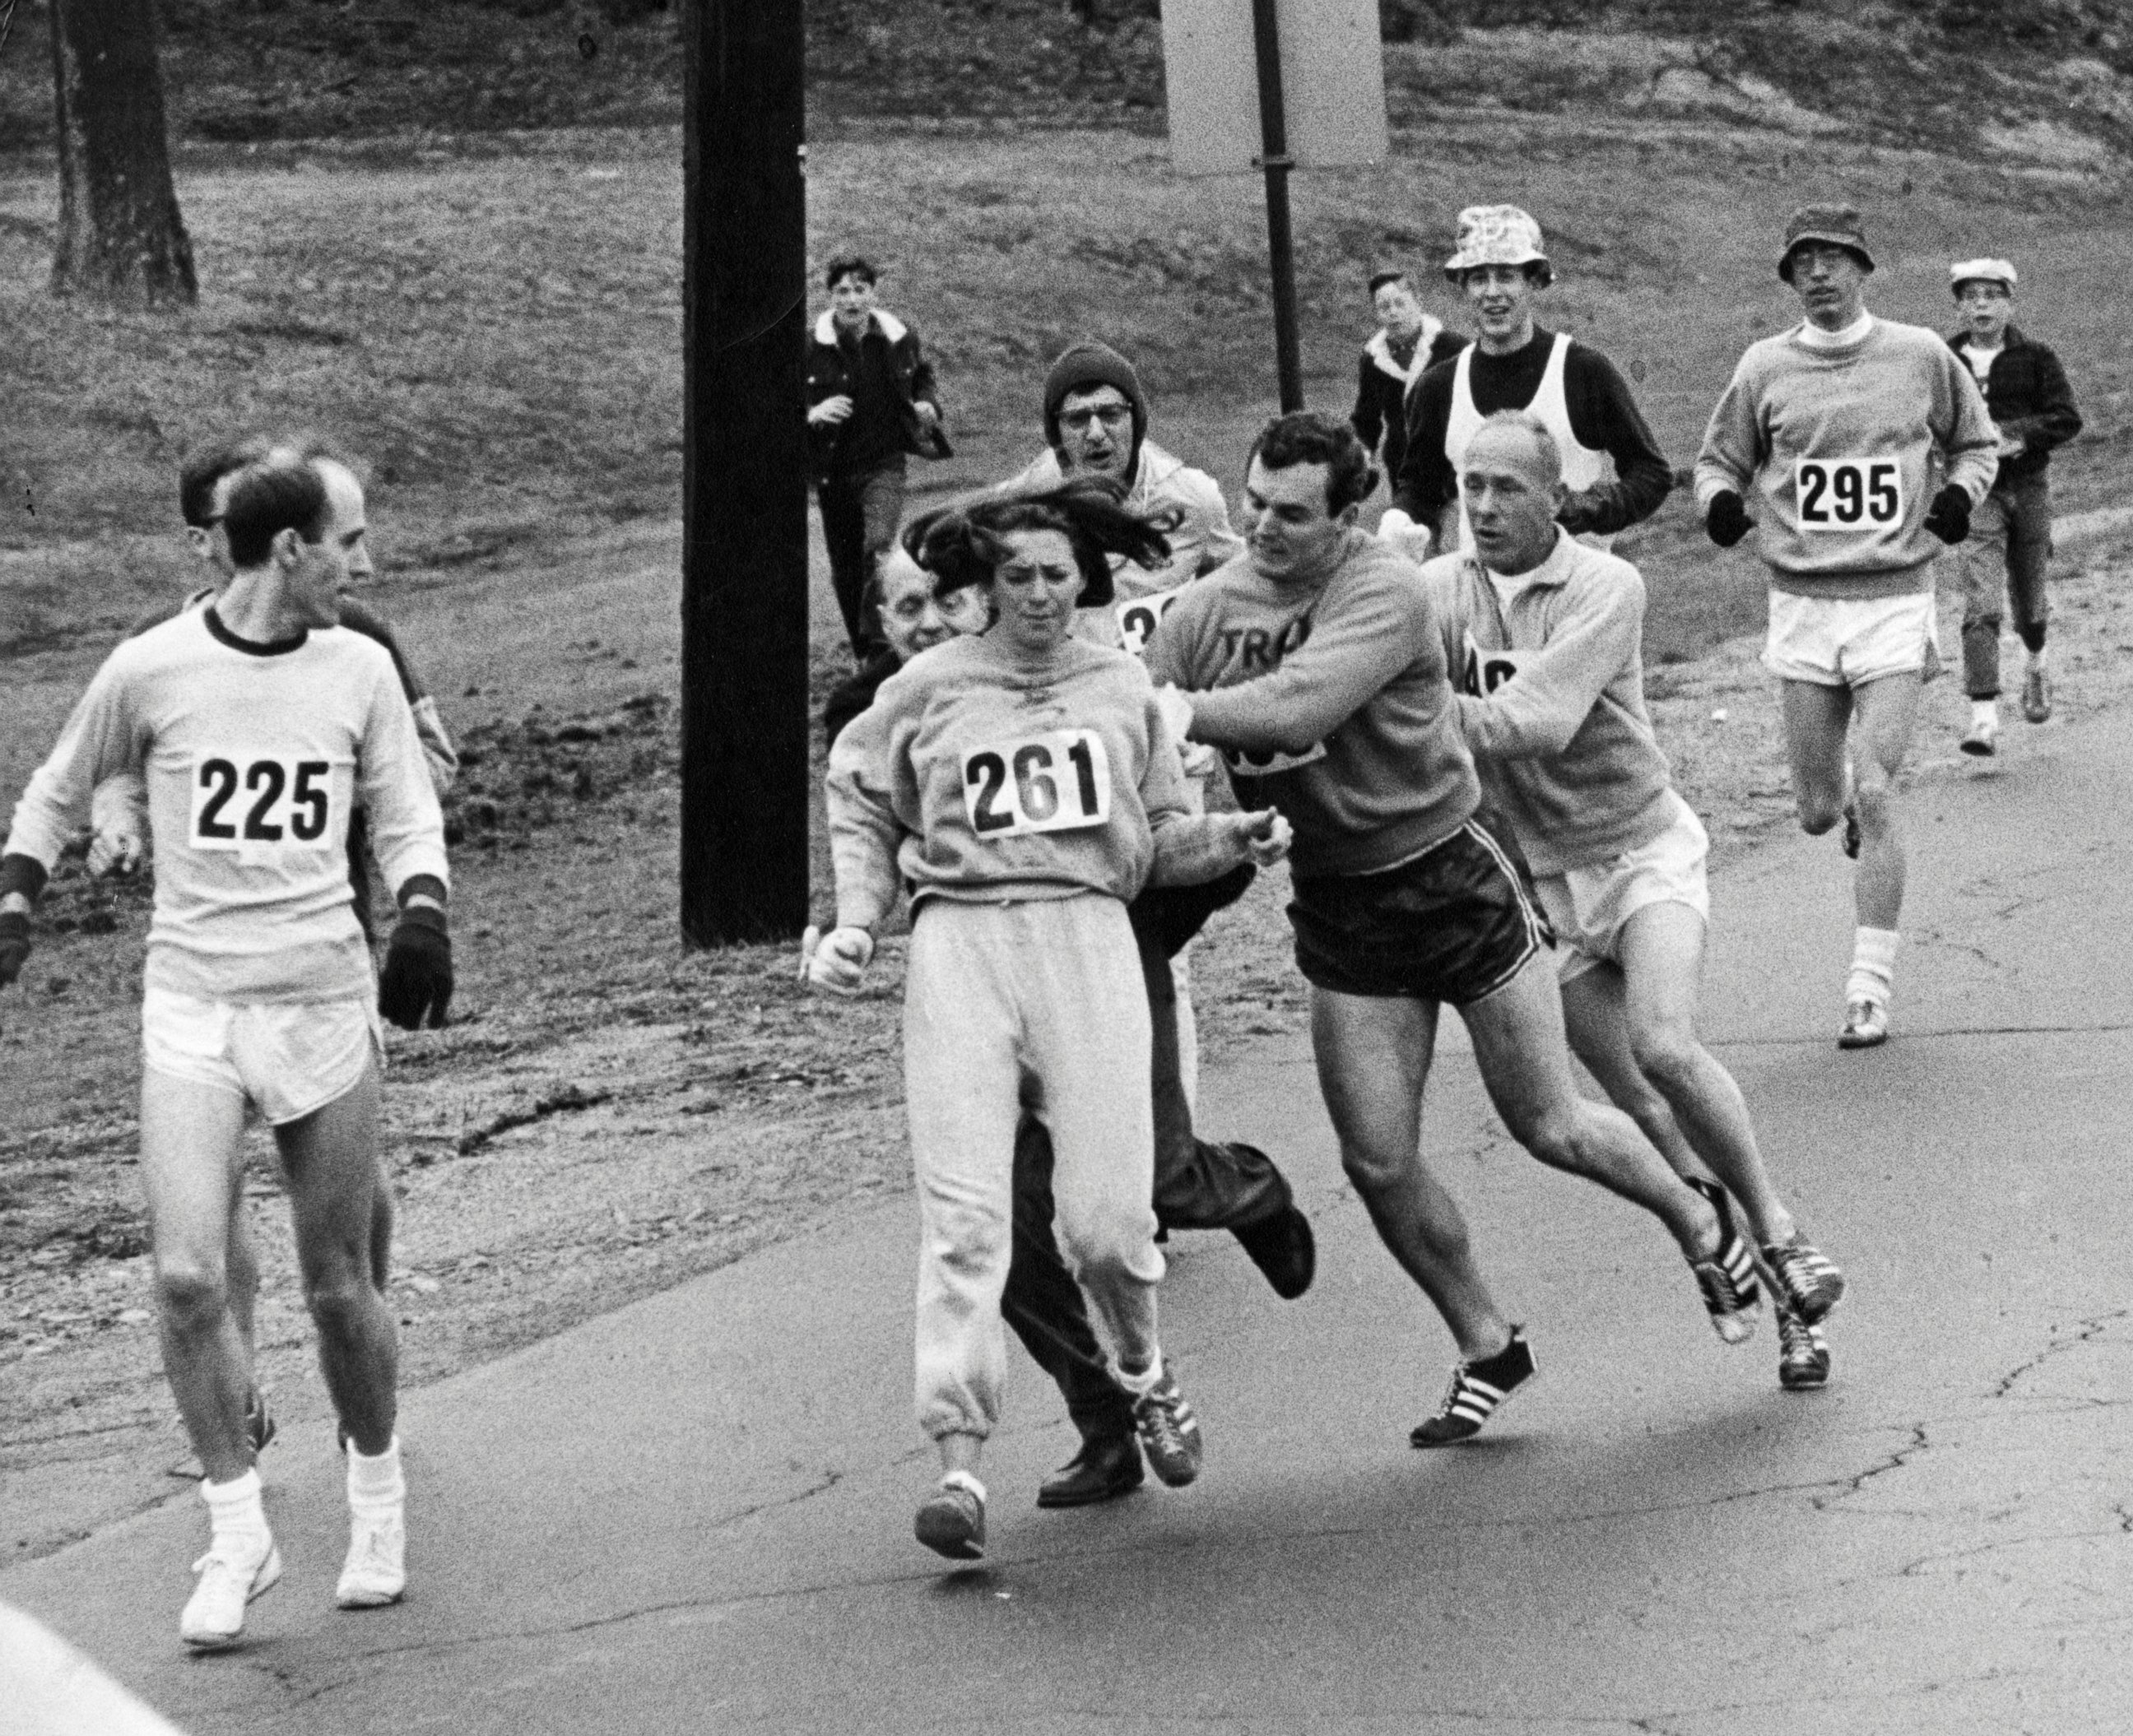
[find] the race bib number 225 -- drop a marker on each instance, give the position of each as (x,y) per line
(1056,782)
(1848,495)
(247,804)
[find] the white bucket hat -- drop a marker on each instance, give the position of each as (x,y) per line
(1981,271)
(1498,235)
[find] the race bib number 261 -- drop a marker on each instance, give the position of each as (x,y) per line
(1848,495)
(1056,782)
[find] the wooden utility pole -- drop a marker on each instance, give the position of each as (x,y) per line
(745,783)
(120,236)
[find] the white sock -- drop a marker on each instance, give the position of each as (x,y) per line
(1873,965)
(1984,711)
(375,1485)
(234,1510)
(963,1479)
(1143,1383)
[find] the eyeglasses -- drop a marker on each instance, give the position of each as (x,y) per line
(1111,415)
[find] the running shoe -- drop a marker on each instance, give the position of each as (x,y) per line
(1983,740)
(1802,1353)
(1104,1469)
(1478,1390)
(232,1573)
(1727,1279)
(1806,1278)
(951,1522)
(258,1421)
(2037,696)
(1169,1432)
(375,1573)
(1865,1025)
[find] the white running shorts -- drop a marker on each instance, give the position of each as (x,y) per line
(286,1059)
(1839,641)
(1588,908)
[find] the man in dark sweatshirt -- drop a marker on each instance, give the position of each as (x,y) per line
(1613,471)
(2010,533)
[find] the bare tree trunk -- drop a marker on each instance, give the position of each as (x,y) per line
(122,238)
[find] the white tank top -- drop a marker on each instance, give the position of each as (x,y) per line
(1582,466)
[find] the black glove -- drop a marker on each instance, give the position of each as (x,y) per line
(1727,522)
(417,976)
(1949,520)
(14,945)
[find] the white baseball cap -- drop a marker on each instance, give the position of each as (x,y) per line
(1981,271)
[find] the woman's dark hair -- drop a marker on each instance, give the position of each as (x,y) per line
(962,546)
(1312,437)
(280,493)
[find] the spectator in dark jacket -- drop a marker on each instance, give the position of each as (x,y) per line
(1407,343)
(871,402)
(2010,533)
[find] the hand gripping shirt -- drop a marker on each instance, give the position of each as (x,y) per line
(1839,452)
(975,779)
(1328,695)
(1551,699)
(254,757)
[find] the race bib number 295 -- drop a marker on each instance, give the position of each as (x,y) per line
(1056,782)
(1138,619)
(245,805)
(1847,495)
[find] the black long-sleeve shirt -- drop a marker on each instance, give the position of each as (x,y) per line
(2027,393)
(1604,418)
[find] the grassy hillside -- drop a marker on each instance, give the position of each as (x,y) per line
(2053,77)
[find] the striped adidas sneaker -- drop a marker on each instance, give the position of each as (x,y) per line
(1802,1353)
(1727,1279)
(1807,1277)
(1478,1388)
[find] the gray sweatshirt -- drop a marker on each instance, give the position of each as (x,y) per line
(1551,697)
(1840,452)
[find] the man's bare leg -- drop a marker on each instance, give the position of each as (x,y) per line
(191,1167)
(1524,1058)
(1662,953)
(1374,1055)
(329,1159)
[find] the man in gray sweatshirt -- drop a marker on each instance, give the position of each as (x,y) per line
(1543,636)
(1838,429)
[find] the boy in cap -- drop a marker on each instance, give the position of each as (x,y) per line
(1613,470)
(2011,535)
(1406,345)
(1840,426)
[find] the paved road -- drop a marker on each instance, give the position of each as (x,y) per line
(694,1514)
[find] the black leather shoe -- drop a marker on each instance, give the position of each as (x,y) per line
(1284,1249)
(1103,1470)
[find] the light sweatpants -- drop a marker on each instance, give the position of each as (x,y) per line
(1036,1005)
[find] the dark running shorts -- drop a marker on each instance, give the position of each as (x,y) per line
(1454,924)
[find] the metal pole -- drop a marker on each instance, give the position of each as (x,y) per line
(1275,160)
(744,781)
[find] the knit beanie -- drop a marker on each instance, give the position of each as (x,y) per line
(1082,366)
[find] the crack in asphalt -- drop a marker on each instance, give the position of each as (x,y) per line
(2091,1329)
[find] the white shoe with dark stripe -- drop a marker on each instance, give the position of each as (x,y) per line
(1479,1390)
(1727,1279)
